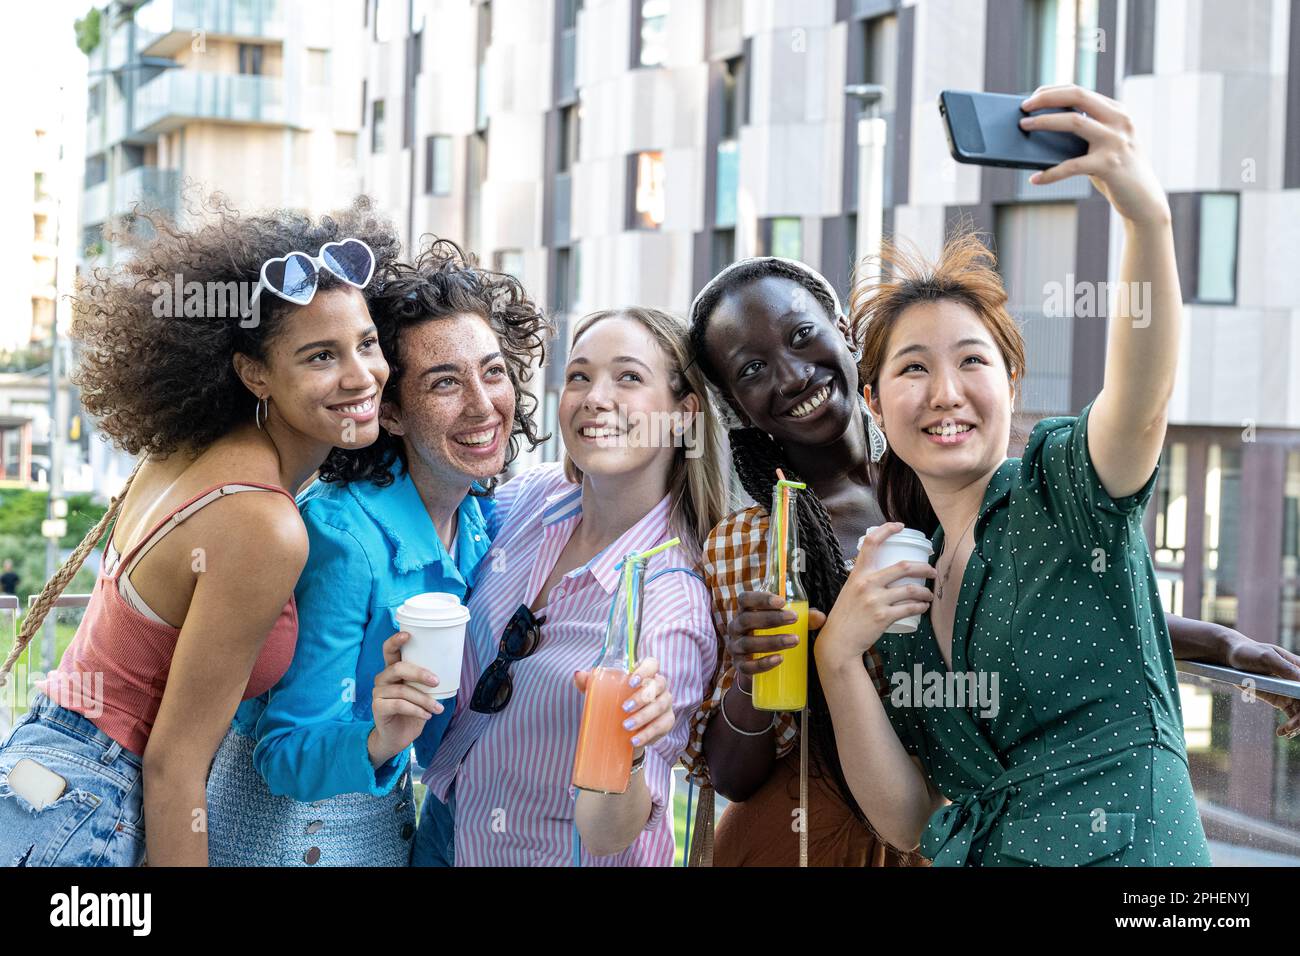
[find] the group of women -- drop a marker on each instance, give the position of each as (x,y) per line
(255,708)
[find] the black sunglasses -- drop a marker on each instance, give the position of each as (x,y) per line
(521,637)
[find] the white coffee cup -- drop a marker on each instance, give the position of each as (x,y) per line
(906,545)
(436,623)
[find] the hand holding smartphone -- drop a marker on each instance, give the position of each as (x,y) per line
(984,129)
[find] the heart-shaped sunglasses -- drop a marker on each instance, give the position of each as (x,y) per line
(294,276)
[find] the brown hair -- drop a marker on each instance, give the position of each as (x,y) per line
(445,281)
(157,381)
(696,486)
(965,272)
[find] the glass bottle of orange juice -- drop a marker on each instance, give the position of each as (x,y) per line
(785,687)
(603,761)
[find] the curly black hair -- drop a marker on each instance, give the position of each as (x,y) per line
(442,282)
(160,378)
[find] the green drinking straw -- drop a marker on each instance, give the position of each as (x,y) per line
(632,559)
(783,484)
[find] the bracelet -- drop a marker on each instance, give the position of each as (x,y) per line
(637,764)
(736,684)
(722,706)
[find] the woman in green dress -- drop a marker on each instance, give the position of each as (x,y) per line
(1033,717)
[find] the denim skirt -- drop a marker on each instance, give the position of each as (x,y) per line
(250,826)
(98,819)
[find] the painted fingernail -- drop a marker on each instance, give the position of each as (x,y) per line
(629,724)
(636,741)
(635,681)
(629,704)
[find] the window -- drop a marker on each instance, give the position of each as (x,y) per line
(96,170)
(509,261)
(879,56)
(562,295)
(250,59)
(1222,521)
(569,13)
(646,173)
(723,251)
(1216,265)
(95,102)
(437,165)
(377,126)
(570,136)
(785,237)
(650,44)
(1061,44)
(1290,616)
(1205,242)
(1168,548)
(1140,38)
(318,67)
(364,100)
(735,98)
(484,41)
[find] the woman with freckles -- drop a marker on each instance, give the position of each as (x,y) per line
(315,772)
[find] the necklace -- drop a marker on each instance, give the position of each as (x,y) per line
(938,589)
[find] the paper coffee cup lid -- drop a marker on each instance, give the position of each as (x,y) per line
(433,608)
(906,536)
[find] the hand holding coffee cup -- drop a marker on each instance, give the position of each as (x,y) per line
(904,546)
(875,598)
(400,710)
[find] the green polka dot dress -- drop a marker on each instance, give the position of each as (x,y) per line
(1058,735)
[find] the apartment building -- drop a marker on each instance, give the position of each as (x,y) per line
(258,99)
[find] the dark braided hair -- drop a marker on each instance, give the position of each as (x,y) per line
(756,456)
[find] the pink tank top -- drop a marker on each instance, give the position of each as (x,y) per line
(115,670)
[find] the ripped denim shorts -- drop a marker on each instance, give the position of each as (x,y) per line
(98,820)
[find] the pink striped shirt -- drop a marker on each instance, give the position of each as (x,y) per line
(511,770)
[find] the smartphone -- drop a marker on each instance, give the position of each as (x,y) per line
(984,128)
(36,784)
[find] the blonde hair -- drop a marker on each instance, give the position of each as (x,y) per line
(697,486)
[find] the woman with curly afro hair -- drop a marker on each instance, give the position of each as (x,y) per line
(233,395)
(316,771)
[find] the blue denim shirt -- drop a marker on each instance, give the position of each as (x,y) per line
(371,548)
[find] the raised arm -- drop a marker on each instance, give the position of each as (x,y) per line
(255,548)
(1128,419)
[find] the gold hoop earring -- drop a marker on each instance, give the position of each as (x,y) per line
(260,412)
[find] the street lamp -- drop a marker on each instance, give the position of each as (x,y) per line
(872,137)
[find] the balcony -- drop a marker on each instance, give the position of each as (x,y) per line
(154,187)
(164,27)
(94,204)
(177,97)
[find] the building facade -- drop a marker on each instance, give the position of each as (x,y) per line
(622,151)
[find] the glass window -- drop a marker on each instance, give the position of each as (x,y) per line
(1222,523)
(437,168)
(1216,267)
(653,33)
(250,59)
(1170,505)
(734,100)
(570,136)
(787,238)
(377,126)
(724,249)
(1062,40)
(1290,616)
(509,261)
(649,201)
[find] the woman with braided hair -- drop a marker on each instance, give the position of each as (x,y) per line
(770,336)
(232,407)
